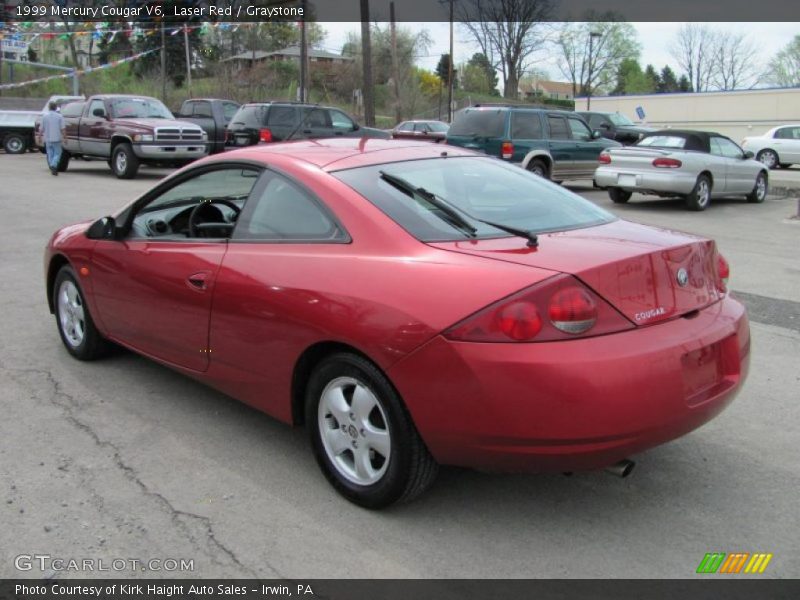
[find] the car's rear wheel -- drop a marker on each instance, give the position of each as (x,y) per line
(700,197)
(618,195)
(539,167)
(124,162)
(63,161)
(759,193)
(362,435)
(15,143)
(75,324)
(785,165)
(769,158)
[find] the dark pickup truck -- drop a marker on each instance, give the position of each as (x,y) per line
(213,115)
(128,131)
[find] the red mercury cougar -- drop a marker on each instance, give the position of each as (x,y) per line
(412,305)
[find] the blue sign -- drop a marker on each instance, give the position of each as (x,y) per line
(640,113)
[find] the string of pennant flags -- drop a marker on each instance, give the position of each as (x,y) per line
(76,72)
(104,29)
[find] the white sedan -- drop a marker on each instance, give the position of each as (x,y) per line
(779,147)
(696,165)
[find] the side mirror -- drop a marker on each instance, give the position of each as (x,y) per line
(99,112)
(102,229)
(597,134)
(748,154)
(356,127)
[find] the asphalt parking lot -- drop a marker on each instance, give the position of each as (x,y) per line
(124,459)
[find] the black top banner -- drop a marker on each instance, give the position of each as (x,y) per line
(404,589)
(175,11)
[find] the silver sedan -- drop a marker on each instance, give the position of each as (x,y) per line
(696,165)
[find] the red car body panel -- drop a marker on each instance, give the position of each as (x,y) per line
(564,405)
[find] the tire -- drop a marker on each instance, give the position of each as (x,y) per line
(74,323)
(124,162)
(15,143)
(786,165)
(63,162)
(538,167)
(618,195)
(759,193)
(769,158)
(700,197)
(395,464)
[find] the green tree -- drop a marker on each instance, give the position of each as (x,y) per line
(652,78)
(784,68)
(668,82)
(684,85)
(489,79)
(443,70)
(631,79)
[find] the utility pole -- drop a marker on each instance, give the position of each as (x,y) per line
(188,59)
(163,64)
(395,69)
(450,71)
(366,59)
(303,58)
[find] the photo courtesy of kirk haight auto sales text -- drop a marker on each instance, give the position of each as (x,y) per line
(167,591)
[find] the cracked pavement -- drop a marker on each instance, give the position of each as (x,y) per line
(123,458)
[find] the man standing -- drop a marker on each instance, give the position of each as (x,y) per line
(53,135)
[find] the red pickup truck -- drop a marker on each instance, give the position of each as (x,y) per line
(128,131)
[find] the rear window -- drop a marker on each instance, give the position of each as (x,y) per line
(249,116)
(479,123)
(480,188)
(663,141)
(74,109)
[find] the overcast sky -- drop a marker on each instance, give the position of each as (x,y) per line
(655,39)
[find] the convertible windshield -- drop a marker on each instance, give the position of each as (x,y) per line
(480,189)
(618,119)
(139,108)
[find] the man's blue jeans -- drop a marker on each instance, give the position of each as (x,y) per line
(53,154)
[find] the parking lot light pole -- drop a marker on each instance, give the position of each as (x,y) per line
(592,35)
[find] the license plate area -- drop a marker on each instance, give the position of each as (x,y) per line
(626,180)
(242,141)
(709,371)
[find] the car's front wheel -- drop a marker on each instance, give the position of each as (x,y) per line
(759,193)
(75,324)
(769,158)
(700,196)
(362,435)
(618,195)
(124,162)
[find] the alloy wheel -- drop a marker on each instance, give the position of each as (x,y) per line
(71,315)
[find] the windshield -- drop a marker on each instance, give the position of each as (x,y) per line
(479,188)
(479,122)
(618,119)
(139,108)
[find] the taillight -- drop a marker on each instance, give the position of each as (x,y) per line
(667,163)
(558,308)
(724,271)
(264,135)
(507,151)
(604,158)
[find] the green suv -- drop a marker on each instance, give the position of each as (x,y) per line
(555,144)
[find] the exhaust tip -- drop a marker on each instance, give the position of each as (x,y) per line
(621,469)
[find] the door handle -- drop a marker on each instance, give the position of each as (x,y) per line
(198,281)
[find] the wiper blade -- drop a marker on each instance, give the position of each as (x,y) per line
(533,239)
(449,215)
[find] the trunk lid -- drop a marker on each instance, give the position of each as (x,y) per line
(646,273)
(633,157)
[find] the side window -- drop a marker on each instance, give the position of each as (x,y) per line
(283,211)
(714,146)
(558,128)
(597,121)
(220,195)
(423,127)
(228,110)
(249,116)
(339,120)
(202,109)
(579,130)
(783,134)
(526,125)
(97,105)
(728,148)
(282,115)
(407,126)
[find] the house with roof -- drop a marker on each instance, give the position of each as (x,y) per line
(539,88)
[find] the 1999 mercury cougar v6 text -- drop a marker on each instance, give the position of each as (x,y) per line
(412,305)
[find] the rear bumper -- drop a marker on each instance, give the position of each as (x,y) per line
(166,152)
(663,181)
(577,404)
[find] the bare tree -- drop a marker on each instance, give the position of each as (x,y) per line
(735,64)
(693,49)
(508,32)
(589,65)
